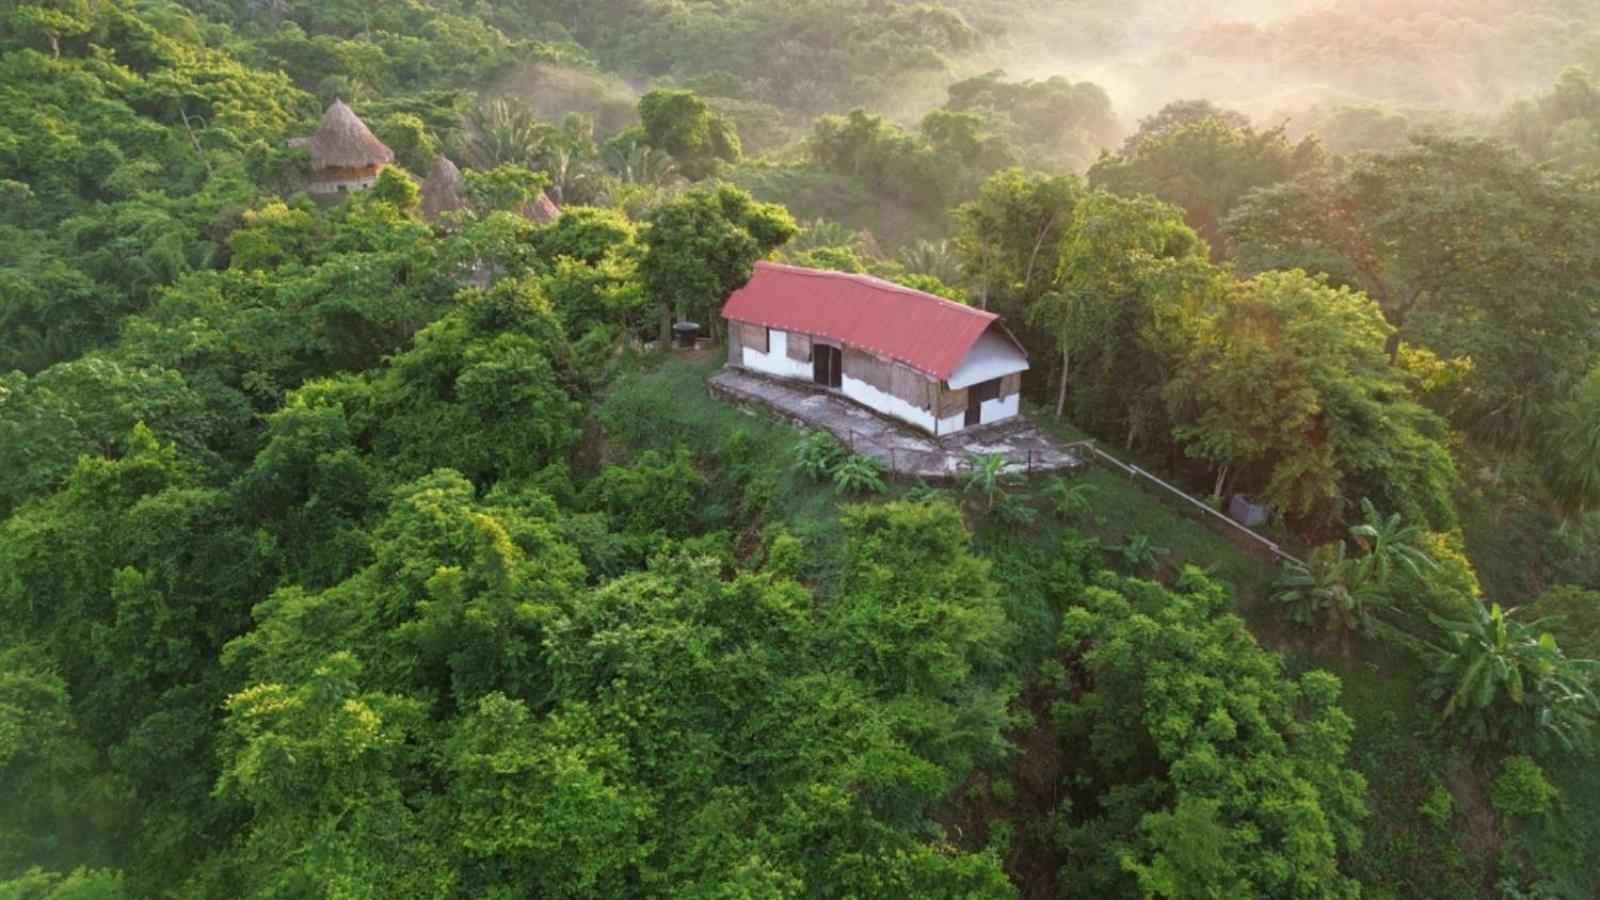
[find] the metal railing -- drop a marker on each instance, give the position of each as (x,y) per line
(1136,471)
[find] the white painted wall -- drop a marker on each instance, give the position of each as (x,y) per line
(993,355)
(990,411)
(888,404)
(995,410)
(776,361)
(333,187)
(952,424)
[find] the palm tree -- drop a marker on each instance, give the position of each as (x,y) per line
(936,258)
(824,233)
(569,177)
(1572,451)
(637,163)
(1069,500)
(1502,679)
(499,133)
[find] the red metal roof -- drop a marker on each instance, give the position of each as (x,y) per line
(928,333)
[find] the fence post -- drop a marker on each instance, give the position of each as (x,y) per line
(893,470)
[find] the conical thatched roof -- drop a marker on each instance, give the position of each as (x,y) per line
(541,210)
(869,246)
(343,141)
(441,190)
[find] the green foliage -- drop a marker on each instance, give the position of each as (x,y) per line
(408,136)
(681,124)
(1579,610)
(1505,681)
(1438,807)
(1330,590)
(1204,165)
(344,555)
(1069,500)
(1059,126)
(1332,424)
(703,244)
(945,159)
(1342,593)
(987,476)
(505,187)
(818,454)
(1139,552)
(859,474)
(1571,452)
(653,494)
(1200,767)
(1435,234)
(1520,789)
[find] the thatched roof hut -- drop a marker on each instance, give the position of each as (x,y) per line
(441,190)
(344,142)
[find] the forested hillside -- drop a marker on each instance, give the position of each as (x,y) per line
(353,548)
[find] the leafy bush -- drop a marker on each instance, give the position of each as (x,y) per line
(1521,789)
(817,455)
(1504,680)
(1139,552)
(987,477)
(1438,806)
(1068,500)
(859,474)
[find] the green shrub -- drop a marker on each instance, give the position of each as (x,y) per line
(1521,789)
(818,455)
(859,474)
(1438,806)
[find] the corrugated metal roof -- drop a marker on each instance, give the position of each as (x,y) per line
(928,333)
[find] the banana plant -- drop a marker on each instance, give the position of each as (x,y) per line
(1388,543)
(986,476)
(1506,680)
(1068,500)
(859,474)
(1329,588)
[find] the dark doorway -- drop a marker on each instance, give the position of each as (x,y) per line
(827,365)
(983,390)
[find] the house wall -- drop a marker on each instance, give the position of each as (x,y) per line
(776,360)
(951,406)
(334,181)
(800,347)
(886,403)
(876,382)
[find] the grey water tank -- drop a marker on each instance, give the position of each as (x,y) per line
(1248,511)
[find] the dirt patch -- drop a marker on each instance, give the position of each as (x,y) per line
(1480,826)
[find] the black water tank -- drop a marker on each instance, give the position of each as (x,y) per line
(684,334)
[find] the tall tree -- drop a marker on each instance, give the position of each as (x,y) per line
(702,245)
(1205,167)
(689,130)
(1124,267)
(1468,249)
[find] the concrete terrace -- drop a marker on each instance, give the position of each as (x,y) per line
(903,450)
